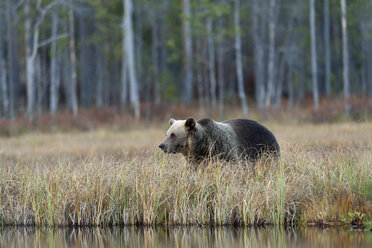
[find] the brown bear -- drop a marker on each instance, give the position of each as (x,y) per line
(228,140)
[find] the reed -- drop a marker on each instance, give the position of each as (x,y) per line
(102,179)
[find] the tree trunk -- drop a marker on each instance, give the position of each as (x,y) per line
(32,45)
(3,76)
(199,76)
(85,83)
(129,50)
(345,53)
(73,84)
(211,64)
(66,76)
(327,49)
(163,31)
(290,90)
(258,56)
(155,56)
(124,77)
(238,58)
(100,78)
(314,64)
(137,10)
(30,70)
(54,75)
(205,76)
(280,78)
(271,56)
(13,82)
(221,74)
(369,58)
(39,84)
(187,41)
(364,71)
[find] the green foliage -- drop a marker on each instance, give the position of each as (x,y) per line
(354,218)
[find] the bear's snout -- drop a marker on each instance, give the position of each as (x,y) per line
(161,146)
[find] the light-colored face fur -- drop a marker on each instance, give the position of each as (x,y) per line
(176,137)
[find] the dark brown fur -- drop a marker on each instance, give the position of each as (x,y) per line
(228,140)
(253,138)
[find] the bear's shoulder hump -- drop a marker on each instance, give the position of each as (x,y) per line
(205,122)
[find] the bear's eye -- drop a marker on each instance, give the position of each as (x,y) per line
(173,135)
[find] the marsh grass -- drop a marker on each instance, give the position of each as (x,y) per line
(102,179)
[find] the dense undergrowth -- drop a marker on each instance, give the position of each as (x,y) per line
(331,110)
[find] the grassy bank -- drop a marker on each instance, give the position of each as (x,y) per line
(105,178)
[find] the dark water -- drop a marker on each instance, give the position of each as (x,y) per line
(183,237)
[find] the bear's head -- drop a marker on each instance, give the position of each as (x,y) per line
(177,136)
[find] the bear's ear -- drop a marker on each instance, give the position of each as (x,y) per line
(171,121)
(190,124)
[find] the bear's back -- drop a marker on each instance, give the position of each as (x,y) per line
(253,138)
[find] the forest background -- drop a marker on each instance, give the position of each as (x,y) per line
(138,58)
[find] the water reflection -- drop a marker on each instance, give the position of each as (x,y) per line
(182,237)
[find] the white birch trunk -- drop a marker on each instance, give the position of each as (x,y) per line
(32,45)
(345,57)
(30,61)
(124,78)
(124,70)
(314,64)
(54,75)
(187,40)
(238,58)
(73,84)
(129,50)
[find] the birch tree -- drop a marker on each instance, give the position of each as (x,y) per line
(73,84)
(238,58)
(187,41)
(129,56)
(345,57)
(30,60)
(54,75)
(314,64)
(32,33)
(124,74)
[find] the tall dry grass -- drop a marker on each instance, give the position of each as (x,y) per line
(107,178)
